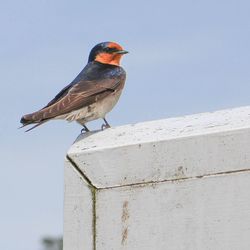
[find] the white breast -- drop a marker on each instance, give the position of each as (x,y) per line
(94,111)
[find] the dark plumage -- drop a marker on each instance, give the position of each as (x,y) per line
(92,94)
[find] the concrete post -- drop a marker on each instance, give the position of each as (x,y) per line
(178,184)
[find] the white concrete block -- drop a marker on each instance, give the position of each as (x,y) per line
(78,211)
(179,183)
(194,214)
(163,150)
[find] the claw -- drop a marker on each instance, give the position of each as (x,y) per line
(84,129)
(106,125)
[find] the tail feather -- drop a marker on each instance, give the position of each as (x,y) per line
(38,124)
(31,119)
(26,120)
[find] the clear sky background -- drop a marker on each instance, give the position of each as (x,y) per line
(185,57)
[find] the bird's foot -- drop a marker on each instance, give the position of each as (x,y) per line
(105,125)
(84,129)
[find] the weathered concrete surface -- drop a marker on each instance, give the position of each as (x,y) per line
(179,183)
(78,211)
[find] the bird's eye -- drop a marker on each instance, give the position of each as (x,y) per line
(110,50)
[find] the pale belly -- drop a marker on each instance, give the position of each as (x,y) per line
(93,111)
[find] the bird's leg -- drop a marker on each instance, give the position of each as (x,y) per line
(85,129)
(106,125)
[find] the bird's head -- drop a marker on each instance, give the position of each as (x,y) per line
(107,53)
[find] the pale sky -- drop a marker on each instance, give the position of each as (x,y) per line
(185,57)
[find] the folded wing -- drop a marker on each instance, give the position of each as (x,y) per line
(74,97)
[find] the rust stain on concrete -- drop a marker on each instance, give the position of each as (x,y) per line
(124,219)
(125,212)
(124,235)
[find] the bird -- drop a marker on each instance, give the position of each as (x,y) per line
(91,95)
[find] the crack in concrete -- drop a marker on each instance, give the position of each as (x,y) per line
(80,171)
(161,181)
(178,179)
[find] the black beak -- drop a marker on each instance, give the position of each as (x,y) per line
(121,52)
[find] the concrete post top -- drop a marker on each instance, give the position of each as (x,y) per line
(131,151)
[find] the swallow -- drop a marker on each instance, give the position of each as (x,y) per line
(91,95)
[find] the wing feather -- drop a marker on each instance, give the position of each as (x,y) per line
(78,96)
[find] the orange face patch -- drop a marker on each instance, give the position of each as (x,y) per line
(115,46)
(110,58)
(107,58)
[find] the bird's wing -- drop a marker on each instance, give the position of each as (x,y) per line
(60,95)
(77,96)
